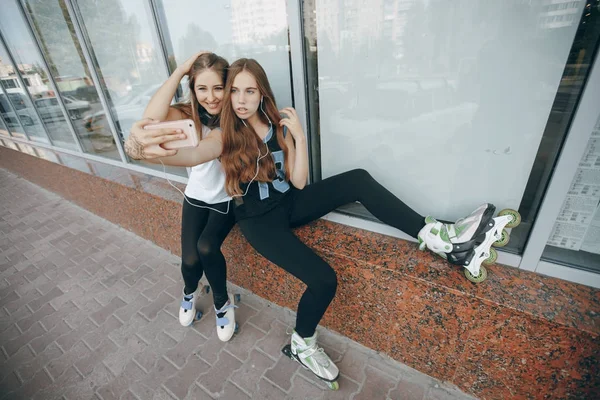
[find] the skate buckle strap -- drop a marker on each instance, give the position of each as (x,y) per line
(186,303)
(451,231)
(318,355)
(222,321)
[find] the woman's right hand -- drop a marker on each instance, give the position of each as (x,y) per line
(145,144)
(184,68)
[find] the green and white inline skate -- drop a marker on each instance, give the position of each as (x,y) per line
(468,242)
(312,357)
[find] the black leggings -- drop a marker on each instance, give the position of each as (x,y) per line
(270,234)
(202,234)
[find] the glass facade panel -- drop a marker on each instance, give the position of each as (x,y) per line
(15,107)
(31,66)
(125,46)
(454,95)
(126,50)
(67,65)
(235,29)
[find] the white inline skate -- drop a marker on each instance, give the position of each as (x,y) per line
(468,241)
(187,309)
(313,358)
(226,325)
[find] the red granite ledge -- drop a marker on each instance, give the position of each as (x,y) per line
(512,355)
(553,299)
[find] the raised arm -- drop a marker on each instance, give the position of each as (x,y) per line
(158,107)
(296,142)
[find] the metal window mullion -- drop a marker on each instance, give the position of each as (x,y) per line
(46,67)
(165,53)
(22,82)
(586,116)
(179,95)
(14,111)
(159,35)
(297,64)
(85,43)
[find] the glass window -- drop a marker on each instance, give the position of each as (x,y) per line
(16,108)
(235,29)
(126,49)
(31,66)
(456,96)
(67,66)
(129,59)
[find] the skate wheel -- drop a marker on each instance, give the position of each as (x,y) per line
(513,213)
(333,385)
(198,315)
(237,328)
(206,289)
(287,350)
(491,258)
(503,241)
(479,278)
(237,298)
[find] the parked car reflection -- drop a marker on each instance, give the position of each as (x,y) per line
(49,108)
(127,109)
(20,106)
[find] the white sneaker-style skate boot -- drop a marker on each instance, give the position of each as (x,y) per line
(311,356)
(226,325)
(187,310)
(468,241)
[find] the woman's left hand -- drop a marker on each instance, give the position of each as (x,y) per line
(292,122)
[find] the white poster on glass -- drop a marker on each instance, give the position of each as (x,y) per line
(578,223)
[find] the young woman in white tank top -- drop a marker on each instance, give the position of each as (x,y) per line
(207,216)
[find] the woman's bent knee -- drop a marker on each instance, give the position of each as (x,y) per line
(326,286)
(207,249)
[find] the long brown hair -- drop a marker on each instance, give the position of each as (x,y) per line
(206,61)
(241,144)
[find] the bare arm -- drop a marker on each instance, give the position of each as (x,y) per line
(208,149)
(158,107)
(297,151)
(145,144)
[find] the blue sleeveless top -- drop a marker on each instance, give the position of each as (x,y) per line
(264,196)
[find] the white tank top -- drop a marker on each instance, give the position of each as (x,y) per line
(207,181)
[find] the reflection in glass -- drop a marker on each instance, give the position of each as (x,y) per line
(126,49)
(67,65)
(455,95)
(3,129)
(30,64)
(125,46)
(15,107)
(235,29)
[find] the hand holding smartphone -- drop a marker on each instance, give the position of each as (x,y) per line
(187,126)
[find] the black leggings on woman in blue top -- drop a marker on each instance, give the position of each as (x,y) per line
(271,235)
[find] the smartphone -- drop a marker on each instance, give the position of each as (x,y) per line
(187,126)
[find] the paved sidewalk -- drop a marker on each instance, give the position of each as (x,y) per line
(89,310)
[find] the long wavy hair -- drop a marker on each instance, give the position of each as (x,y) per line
(241,144)
(206,61)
